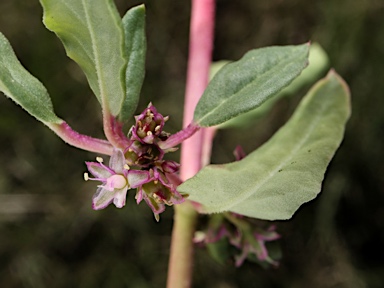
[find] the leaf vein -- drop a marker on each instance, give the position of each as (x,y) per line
(262,75)
(273,172)
(95,53)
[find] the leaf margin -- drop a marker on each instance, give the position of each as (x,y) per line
(232,73)
(24,88)
(185,187)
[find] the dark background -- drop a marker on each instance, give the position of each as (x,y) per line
(50,236)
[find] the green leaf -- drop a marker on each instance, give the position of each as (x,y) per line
(216,67)
(318,62)
(244,85)
(92,34)
(135,49)
(272,182)
(19,85)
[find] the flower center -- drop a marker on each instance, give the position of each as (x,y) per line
(117,181)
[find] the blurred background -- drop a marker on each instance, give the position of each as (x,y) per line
(50,236)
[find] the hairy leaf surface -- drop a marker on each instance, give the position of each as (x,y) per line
(245,84)
(135,49)
(318,63)
(19,85)
(92,34)
(275,180)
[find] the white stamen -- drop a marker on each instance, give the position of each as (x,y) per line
(86,176)
(99,159)
(149,133)
(166,118)
(157,128)
(126,167)
(168,203)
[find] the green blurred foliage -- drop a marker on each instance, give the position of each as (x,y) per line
(50,237)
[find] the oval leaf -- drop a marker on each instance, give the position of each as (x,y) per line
(19,85)
(318,63)
(93,37)
(135,49)
(244,85)
(272,182)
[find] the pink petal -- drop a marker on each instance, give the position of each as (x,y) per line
(102,198)
(176,197)
(157,208)
(170,167)
(139,195)
(117,161)
(137,178)
(240,258)
(261,251)
(120,198)
(99,170)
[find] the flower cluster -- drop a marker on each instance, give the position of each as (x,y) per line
(241,233)
(139,165)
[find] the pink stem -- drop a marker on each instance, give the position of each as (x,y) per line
(200,50)
(200,58)
(179,137)
(113,131)
(209,134)
(65,132)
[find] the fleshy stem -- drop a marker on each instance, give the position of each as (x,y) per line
(209,134)
(73,138)
(199,61)
(113,131)
(179,137)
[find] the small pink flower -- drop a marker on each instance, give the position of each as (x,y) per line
(149,126)
(254,244)
(243,234)
(160,190)
(140,165)
(116,180)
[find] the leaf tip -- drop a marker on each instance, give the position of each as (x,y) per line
(332,74)
(140,8)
